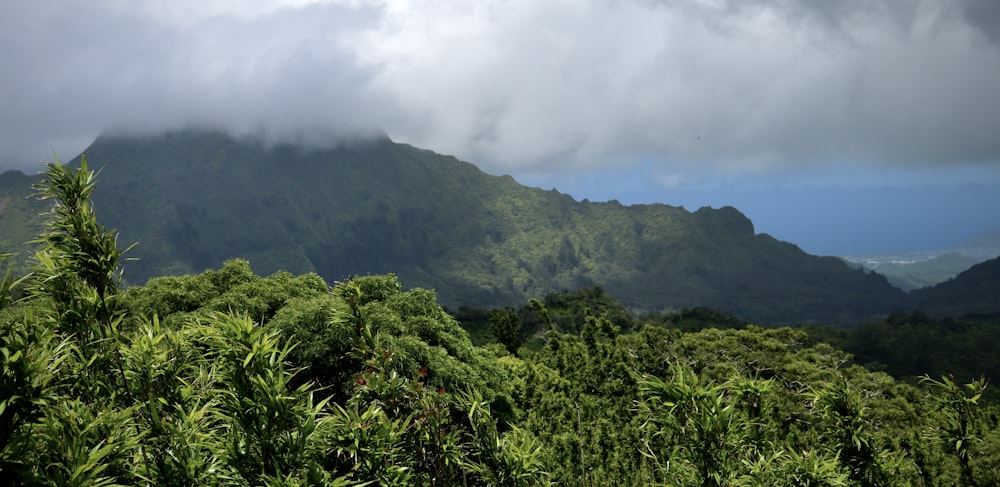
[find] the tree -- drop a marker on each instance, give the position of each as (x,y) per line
(505,325)
(960,411)
(89,401)
(848,434)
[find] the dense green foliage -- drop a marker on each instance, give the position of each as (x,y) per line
(229,378)
(908,345)
(98,390)
(904,345)
(726,407)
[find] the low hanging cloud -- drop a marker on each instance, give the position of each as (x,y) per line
(728,87)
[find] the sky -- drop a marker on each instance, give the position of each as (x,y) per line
(845,127)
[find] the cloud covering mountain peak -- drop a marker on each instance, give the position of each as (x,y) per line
(719,86)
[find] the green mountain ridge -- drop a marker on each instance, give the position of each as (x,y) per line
(974,291)
(193,199)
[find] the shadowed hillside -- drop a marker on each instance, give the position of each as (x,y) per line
(975,291)
(19,222)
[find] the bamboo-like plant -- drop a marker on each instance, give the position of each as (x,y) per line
(959,409)
(849,435)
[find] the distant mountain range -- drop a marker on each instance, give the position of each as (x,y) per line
(193,198)
(915,270)
(985,245)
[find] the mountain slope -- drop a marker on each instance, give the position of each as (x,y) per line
(975,291)
(916,275)
(19,222)
(195,198)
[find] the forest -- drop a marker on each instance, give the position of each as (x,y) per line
(230,378)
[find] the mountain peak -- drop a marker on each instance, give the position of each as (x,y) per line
(192,136)
(728,217)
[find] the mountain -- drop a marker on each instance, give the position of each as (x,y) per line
(916,274)
(975,291)
(19,222)
(914,270)
(194,198)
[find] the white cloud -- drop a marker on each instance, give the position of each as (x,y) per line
(724,87)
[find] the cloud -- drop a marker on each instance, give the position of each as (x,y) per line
(723,86)
(80,68)
(983,15)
